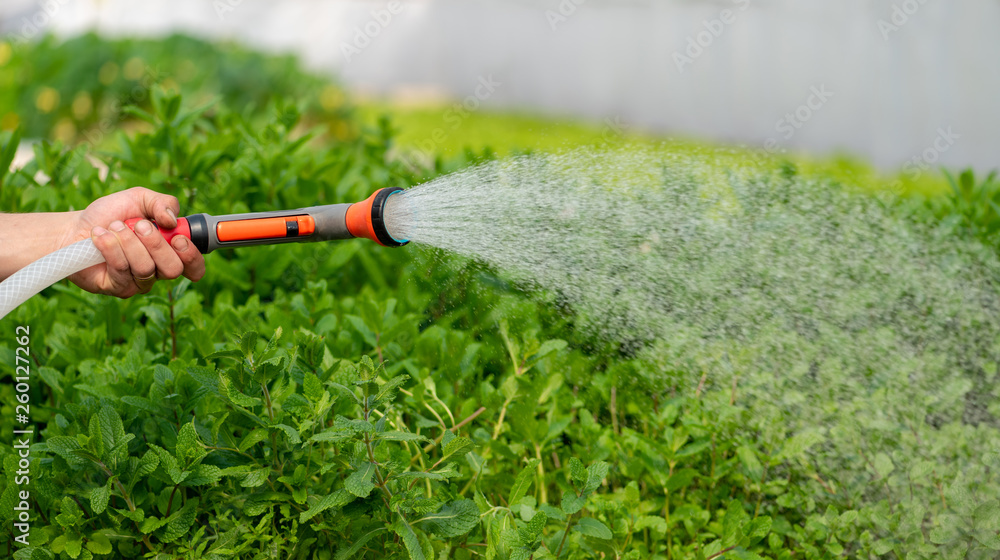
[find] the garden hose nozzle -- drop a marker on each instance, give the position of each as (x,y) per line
(208,233)
(316,223)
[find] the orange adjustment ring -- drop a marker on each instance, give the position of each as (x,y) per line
(265,228)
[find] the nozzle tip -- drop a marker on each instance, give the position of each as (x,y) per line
(367,218)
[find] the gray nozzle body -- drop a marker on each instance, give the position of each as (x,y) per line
(330,223)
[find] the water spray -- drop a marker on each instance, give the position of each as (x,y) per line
(364,219)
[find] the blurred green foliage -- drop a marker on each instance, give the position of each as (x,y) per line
(971,206)
(81,88)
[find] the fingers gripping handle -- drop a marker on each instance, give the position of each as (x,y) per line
(183,228)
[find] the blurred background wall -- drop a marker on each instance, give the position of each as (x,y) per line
(894,81)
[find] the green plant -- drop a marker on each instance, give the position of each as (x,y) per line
(971,206)
(82,87)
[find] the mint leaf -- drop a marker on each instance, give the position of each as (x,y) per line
(454,519)
(360,482)
(456,449)
(593,528)
(336,499)
(522,482)
(99,498)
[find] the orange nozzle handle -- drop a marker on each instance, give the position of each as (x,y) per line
(366,218)
(265,228)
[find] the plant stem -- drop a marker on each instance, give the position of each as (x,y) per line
(543,494)
(720,553)
(614,411)
(569,525)
(437,440)
(128,501)
(270,414)
(173,329)
(503,413)
(170,501)
(386,493)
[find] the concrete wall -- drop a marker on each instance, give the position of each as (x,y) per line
(889,80)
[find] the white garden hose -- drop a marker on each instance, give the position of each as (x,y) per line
(46,271)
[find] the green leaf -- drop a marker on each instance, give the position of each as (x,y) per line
(987,516)
(884,546)
(66,447)
(8,151)
(366,369)
(248,343)
(292,433)
(99,544)
(732,523)
(358,544)
(396,435)
(454,519)
(572,502)
(312,387)
(74,545)
(592,528)
(410,540)
(360,482)
(421,474)
(253,438)
(596,474)
(187,443)
(333,434)
(237,397)
(99,498)
(366,333)
(138,515)
(748,458)
(202,475)
(548,347)
(148,463)
(654,522)
(180,522)
(577,472)
(140,402)
(798,444)
(338,498)
(758,529)
(680,479)
(170,465)
(97,436)
(883,465)
(530,533)
(456,449)
(522,482)
(255,478)
(387,390)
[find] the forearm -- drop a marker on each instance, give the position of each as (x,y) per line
(24,238)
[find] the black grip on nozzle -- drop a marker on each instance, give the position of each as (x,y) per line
(199,232)
(378,218)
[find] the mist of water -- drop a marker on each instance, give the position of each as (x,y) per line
(823,306)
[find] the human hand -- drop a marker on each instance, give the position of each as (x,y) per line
(134,259)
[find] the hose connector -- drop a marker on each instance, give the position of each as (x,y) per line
(367,218)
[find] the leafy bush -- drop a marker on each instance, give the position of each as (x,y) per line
(161,436)
(81,87)
(972,207)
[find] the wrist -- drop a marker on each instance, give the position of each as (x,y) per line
(25,238)
(73,230)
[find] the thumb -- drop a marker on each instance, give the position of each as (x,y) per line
(162,208)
